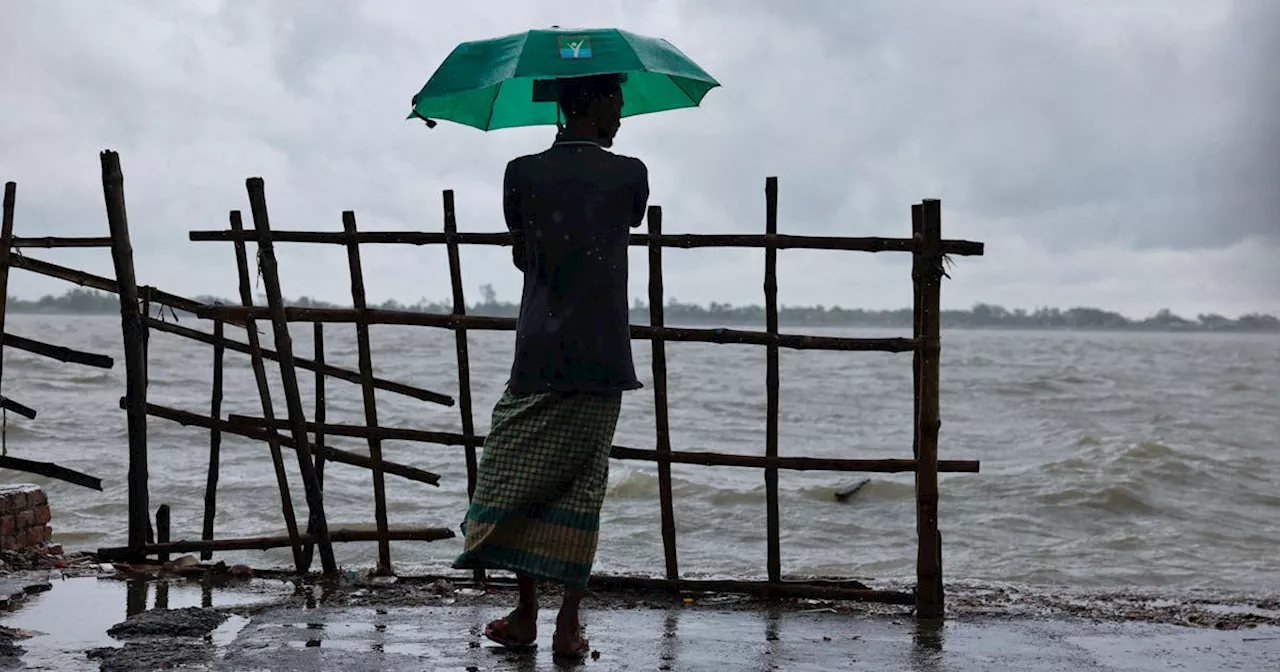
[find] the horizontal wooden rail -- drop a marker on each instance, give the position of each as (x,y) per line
(310,365)
(684,241)
(58,352)
(623,453)
(56,241)
(51,470)
(190,419)
(117,554)
(638,331)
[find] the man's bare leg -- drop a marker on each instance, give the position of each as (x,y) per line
(568,635)
(521,625)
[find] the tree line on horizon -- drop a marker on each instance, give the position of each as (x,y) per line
(981,315)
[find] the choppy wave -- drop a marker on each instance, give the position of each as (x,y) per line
(1106,462)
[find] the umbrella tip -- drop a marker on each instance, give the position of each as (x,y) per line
(431,123)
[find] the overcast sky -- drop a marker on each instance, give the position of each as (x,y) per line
(1116,154)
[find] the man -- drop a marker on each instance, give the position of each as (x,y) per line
(542,477)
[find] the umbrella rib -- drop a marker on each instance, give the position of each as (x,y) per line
(493,106)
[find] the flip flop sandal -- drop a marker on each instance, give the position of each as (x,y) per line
(579,653)
(496,631)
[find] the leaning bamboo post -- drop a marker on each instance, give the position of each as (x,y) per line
(288,374)
(370,397)
(929,597)
(264,395)
(134,357)
(917,356)
(460,340)
(215,441)
(661,421)
(771,381)
(308,550)
(6,243)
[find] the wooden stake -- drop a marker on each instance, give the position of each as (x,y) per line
(929,597)
(133,334)
(281,541)
(215,441)
(771,381)
(370,398)
(57,352)
(660,415)
(288,374)
(162,531)
(264,395)
(464,357)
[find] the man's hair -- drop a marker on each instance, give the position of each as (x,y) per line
(577,94)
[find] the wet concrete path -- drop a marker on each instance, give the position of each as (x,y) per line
(274,625)
(443,639)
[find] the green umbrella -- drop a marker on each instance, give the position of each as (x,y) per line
(509,81)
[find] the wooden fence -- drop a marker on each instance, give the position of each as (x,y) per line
(305,436)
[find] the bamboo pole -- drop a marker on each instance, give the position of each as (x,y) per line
(215,443)
(917,357)
(288,374)
(460,337)
(683,241)
(770,589)
(463,351)
(264,396)
(370,399)
(99,282)
(56,241)
(301,363)
(625,453)
(929,596)
(133,334)
(331,454)
(660,414)
(51,470)
(58,352)
(17,407)
(774,533)
(6,245)
(638,332)
(308,549)
(281,541)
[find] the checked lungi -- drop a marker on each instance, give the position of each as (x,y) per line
(540,485)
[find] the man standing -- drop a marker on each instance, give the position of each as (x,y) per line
(545,466)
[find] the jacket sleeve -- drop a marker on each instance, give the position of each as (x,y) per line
(511,210)
(640,194)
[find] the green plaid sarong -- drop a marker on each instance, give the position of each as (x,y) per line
(540,485)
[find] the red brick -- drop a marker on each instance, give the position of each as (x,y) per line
(8,501)
(8,525)
(37,498)
(7,543)
(42,514)
(25,520)
(53,549)
(46,534)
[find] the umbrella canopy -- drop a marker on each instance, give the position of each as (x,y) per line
(509,81)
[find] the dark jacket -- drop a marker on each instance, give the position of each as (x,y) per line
(570,210)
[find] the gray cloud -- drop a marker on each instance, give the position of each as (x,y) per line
(1101,139)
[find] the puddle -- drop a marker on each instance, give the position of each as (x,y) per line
(74,616)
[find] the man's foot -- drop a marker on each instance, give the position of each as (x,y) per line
(568,642)
(518,631)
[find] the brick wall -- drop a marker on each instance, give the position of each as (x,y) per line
(24,517)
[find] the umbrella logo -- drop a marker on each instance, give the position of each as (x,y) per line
(573,48)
